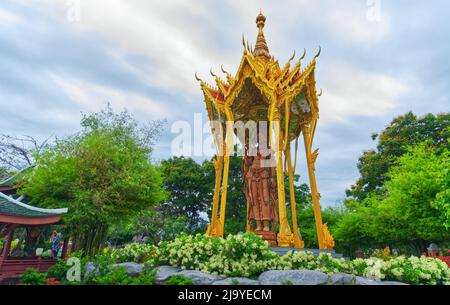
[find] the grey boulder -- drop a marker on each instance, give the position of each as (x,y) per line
(236,281)
(294,277)
(341,278)
(392,283)
(90,268)
(163,273)
(200,278)
(132,268)
(363,281)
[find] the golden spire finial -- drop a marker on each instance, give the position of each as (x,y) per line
(261,48)
(260,20)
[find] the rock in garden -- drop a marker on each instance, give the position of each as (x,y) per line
(293,277)
(363,281)
(200,278)
(341,278)
(132,268)
(392,283)
(236,281)
(163,273)
(90,268)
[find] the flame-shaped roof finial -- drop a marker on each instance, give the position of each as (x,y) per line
(261,48)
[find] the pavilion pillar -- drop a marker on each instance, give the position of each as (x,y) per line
(285,237)
(310,159)
(229,141)
(7,246)
(298,242)
(65,248)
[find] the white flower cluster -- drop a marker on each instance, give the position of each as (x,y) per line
(138,253)
(237,255)
(248,255)
(417,270)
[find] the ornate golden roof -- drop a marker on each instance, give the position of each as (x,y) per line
(261,48)
(260,78)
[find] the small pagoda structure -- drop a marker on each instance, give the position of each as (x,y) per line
(15,214)
(286,98)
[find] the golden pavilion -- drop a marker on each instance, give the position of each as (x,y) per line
(262,90)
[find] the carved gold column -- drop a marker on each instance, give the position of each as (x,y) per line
(311,159)
(298,242)
(215,227)
(228,150)
(284,237)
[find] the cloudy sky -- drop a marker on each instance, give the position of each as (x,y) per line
(379,59)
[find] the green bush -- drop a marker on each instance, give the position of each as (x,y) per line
(138,253)
(120,276)
(117,276)
(148,277)
(31,276)
(237,255)
(58,271)
(178,280)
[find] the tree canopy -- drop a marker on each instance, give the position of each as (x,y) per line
(393,142)
(102,174)
(412,209)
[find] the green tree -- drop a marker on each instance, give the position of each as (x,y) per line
(190,192)
(102,174)
(411,210)
(415,193)
(393,142)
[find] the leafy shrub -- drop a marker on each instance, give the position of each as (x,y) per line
(31,276)
(116,276)
(384,254)
(237,255)
(120,276)
(417,270)
(138,253)
(59,270)
(147,277)
(178,280)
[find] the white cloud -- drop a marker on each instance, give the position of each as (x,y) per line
(8,18)
(176,35)
(92,97)
(349,92)
(355,26)
(162,31)
(348,21)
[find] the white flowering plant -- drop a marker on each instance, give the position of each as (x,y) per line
(417,270)
(248,255)
(237,255)
(134,252)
